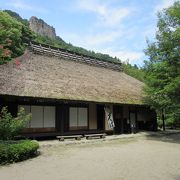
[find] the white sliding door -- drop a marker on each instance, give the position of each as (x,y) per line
(42,116)
(73,117)
(82,117)
(37,116)
(78,118)
(49,116)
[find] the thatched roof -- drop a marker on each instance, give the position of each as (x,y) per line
(53,77)
(73,56)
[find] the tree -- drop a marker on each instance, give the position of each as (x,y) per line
(13,37)
(10,126)
(163,68)
(17,17)
(134,71)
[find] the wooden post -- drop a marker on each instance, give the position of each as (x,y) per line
(163,119)
(136,121)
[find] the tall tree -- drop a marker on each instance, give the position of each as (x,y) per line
(13,36)
(163,68)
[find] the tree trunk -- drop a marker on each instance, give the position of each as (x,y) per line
(163,119)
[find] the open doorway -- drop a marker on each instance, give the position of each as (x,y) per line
(118,119)
(100,117)
(133,119)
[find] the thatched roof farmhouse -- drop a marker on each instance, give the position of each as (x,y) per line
(67,85)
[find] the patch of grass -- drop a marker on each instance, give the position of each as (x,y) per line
(14,151)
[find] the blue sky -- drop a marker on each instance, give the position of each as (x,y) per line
(115,27)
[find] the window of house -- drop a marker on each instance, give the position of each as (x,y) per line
(42,116)
(78,118)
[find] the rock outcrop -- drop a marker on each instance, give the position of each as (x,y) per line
(42,28)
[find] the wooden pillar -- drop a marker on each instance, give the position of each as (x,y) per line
(122,117)
(137,127)
(59,119)
(62,119)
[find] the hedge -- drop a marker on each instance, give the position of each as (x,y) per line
(14,151)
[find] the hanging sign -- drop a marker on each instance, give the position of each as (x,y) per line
(109,117)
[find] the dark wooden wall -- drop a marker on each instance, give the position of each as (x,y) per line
(62,113)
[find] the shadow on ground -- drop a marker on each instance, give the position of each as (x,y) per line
(170,138)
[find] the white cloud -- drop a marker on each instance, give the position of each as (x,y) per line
(113,35)
(107,15)
(92,41)
(149,32)
(20,4)
(163,4)
(96,43)
(131,56)
(103,38)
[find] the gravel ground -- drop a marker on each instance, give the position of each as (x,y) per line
(140,158)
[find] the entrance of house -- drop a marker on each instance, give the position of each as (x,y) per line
(126,125)
(118,119)
(132,117)
(100,117)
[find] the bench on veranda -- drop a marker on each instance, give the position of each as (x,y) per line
(77,137)
(102,135)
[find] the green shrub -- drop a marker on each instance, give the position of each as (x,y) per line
(14,151)
(10,126)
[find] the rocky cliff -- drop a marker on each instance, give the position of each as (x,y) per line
(42,28)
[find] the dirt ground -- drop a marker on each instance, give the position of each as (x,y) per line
(141,158)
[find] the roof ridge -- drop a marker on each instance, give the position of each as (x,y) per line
(66,54)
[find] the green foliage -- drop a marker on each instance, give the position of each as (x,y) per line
(134,71)
(159,122)
(10,126)
(14,151)
(17,17)
(163,69)
(13,36)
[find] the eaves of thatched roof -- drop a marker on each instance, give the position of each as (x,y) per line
(37,75)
